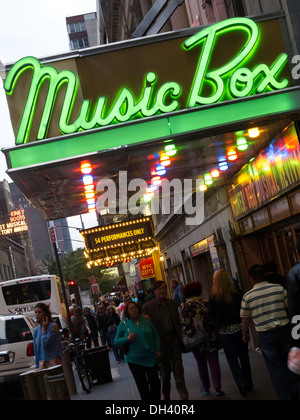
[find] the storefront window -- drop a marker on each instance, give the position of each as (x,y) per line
(280,210)
(261,219)
(295,203)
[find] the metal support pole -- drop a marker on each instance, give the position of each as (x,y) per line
(162,20)
(149,18)
(62,284)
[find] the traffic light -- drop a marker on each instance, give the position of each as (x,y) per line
(72,287)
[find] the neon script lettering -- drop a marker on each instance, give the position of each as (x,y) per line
(154,100)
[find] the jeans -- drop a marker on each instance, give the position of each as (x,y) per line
(275,346)
(236,352)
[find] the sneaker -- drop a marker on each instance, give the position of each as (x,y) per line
(206,393)
(219,393)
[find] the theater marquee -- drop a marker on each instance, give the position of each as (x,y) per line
(119,242)
(17,223)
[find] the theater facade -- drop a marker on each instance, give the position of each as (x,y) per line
(216,105)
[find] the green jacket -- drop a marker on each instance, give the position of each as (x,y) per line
(143,350)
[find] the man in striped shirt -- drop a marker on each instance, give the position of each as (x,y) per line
(266,305)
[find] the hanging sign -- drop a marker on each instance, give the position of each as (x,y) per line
(232,59)
(147,268)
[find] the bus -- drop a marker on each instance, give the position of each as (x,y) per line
(21,295)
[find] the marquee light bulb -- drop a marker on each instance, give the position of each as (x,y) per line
(242,144)
(232,155)
(86,168)
(253,133)
(87,179)
(215,173)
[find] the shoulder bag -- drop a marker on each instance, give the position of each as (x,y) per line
(193,334)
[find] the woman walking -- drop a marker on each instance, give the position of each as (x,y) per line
(143,352)
(225,304)
(207,354)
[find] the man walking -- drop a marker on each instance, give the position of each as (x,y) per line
(163,313)
(177,292)
(266,304)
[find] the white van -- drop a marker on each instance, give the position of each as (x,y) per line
(16,346)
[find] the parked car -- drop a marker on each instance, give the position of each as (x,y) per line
(16,346)
(63,327)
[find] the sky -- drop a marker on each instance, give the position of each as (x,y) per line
(36,28)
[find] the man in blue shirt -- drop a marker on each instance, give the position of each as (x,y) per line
(177,292)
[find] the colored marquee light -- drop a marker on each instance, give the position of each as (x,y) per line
(152,188)
(156,180)
(88,180)
(160,170)
(170,150)
(86,168)
(215,173)
(242,144)
(165,160)
(148,197)
(208,179)
(253,133)
(223,165)
(89,195)
(232,155)
(203,187)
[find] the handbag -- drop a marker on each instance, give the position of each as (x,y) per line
(125,347)
(193,335)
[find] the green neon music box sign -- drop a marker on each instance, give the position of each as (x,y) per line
(202,71)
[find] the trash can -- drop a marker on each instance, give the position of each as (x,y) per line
(97,360)
(45,384)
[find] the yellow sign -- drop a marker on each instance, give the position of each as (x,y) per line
(17,223)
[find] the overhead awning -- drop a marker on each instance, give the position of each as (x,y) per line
(121,121)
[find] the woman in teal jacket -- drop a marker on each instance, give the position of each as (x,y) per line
(144,351)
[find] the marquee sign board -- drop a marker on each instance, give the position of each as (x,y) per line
(229,60)
(119,241)
(17,223)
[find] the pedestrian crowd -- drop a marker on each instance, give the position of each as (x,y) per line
(151,334)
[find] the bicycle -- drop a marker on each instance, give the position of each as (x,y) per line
(84,373)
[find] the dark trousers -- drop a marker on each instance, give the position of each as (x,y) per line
(275,346)
(147,381)
(237,355)
(171,359)
(93,336)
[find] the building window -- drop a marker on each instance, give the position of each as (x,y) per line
(76,27)
(76,44)
(235,8)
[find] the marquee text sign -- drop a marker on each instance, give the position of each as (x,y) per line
(232,59)
(17,223)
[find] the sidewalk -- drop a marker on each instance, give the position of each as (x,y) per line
(123,387)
